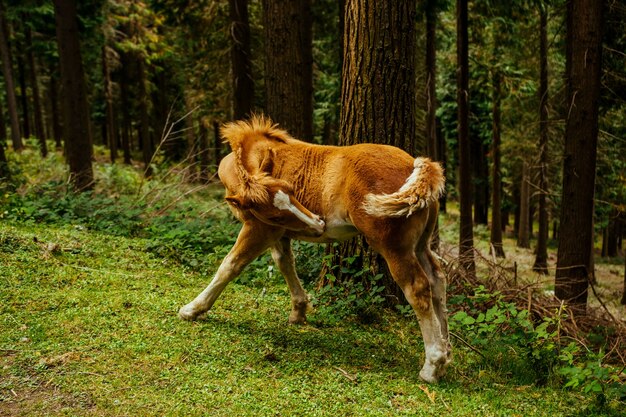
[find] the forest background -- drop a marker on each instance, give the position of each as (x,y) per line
(152,81)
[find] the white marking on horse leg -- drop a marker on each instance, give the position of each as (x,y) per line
(204,301)
(282,202)
(283,257)
(253,240)
(436,347)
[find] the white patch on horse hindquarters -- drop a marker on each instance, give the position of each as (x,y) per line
(417,167)
(282,202)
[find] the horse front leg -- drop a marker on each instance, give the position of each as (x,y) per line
(254,239)
(283,257)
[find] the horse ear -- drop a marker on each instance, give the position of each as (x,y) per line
(267,164)
(238,202)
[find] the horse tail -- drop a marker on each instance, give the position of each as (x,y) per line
(423,187)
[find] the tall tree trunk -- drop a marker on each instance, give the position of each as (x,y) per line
(217,144)
(203,137)
(111,129)
(378,93)
(541,258)
(78,140)
(39,130)
(21,77)
(623,300)
(125,102)
(612,233)
(5,173)
(583,69)
(466,238)
(243,83)
(288,65)
(496,213)
(54,110)
(523,233)
(7,71)
(432,143)
(144,117)
(480,180)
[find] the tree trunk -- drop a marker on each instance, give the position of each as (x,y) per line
(7,70)
(203,136)
(111,129)
(144,117)
(39,129)
(288,65)
(466,238)
(480,180)
(217,144)
(541,258)
(583,69)
(125,102)
(78,141)
(496,212)
(243,83)
(623,300)
(5,173)
(523,234)
(378,95)
(431,97)
(54,110)
(612,233)
(21,78)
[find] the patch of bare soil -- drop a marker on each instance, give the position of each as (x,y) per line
(28,395)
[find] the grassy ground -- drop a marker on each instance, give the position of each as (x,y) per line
(88,323)
(88,327)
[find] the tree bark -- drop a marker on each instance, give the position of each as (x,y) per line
(21,78)
(623,300)
(432,144)
(144,117)
(78,140)
(378,95)
(496,212)
(541,258)
(288,65)
(125,102)
(54,110)
(111,129)
(39,129)
(243,83)
(466,238)
(523,234)
(7,70)
(583,69)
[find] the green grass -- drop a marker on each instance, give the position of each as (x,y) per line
(89,327)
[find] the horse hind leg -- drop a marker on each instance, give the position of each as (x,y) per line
(254,239)
(415,283)
(437,281)
(284,259)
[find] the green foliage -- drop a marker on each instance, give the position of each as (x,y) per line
(531,349)
(360,293)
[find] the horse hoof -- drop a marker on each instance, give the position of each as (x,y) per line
(186,313)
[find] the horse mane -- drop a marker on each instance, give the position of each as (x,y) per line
(242,136)
(257,127)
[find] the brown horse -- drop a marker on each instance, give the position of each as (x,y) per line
(282,189)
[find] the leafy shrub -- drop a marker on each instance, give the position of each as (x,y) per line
(508,339)
(359,295)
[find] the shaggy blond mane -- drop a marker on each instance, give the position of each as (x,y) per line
(258,127)
(242,135)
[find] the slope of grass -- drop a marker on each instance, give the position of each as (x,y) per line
(89,327)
